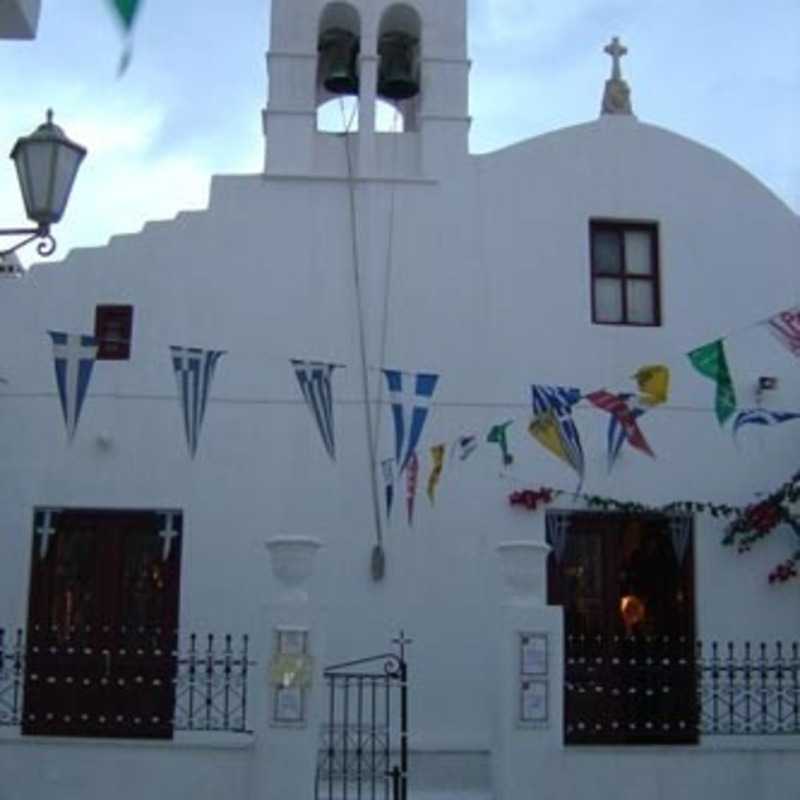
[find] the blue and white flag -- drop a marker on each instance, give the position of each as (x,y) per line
(464,447)
(760,416)
(552,408)
(410,396)
(194,371)
(74,356)
(314,378)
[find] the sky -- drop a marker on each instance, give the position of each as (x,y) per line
(723,72)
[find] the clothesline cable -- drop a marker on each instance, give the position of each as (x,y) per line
(375,403)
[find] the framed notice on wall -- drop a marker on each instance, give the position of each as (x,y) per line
(290,676)
(533,702)
(533,679)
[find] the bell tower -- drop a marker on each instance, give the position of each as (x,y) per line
(409,54)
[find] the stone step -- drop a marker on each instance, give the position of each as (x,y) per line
(450,775)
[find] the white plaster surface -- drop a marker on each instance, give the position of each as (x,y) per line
(490,287)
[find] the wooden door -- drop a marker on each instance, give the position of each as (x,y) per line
(102,623)
(626,583)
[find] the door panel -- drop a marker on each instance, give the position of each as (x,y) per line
(629,622)
(102,621)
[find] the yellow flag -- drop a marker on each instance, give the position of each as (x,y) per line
(437,455)
(544,428)
(653,383)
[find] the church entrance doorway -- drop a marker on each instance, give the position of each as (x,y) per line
(626,583)
(102,623)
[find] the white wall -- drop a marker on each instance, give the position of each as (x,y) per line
(490,287)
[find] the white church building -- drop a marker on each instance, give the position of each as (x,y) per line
(501,421)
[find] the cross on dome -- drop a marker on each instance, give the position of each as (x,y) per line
(617,93)
(616,51)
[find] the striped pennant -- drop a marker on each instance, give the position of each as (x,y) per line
(785,327)
(387,465)
(760,416)
(553,425)
(194,371)
(617,435)
(623,425)
(410,399)
(73,356)
(464,446)
(314,378)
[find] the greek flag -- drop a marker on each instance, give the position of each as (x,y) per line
(760,416)
(410,396)
(194,371)
(553,404)
(74,356)
(314,378)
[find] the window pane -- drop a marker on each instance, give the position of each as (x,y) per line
(638,253)
(607,252)
(607,300)
(641,306)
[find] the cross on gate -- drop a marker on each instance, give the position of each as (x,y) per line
(402,641)
(45,531)
(616,51)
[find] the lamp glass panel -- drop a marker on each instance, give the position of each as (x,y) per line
(35,178)
(66,166)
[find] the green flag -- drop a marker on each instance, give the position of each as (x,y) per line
(709,360)
(126,11)
(498,435)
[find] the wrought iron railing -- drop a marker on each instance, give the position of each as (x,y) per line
(662,690)
(749,689)
(208,676)
(364,742)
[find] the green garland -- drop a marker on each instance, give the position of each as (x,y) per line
(747,526)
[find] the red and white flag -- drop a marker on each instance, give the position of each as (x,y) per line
(618,407)
(785,327)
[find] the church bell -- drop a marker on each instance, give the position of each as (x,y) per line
(398,75)
(338,51)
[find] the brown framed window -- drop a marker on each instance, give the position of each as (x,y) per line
(625,274)
(113,327)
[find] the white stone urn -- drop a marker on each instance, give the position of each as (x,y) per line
(292,560)
(523,566)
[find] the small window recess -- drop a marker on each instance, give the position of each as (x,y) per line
(113,328)
(625,273)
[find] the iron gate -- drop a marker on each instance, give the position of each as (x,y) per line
(364,749)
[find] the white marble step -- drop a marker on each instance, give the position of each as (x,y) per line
(455,794)
(450,775)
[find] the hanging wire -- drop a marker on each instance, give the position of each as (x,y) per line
(377,563)
(389,264)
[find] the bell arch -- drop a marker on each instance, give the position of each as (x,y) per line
(338,48)
(399,61)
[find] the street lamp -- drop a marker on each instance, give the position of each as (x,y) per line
(47,163)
